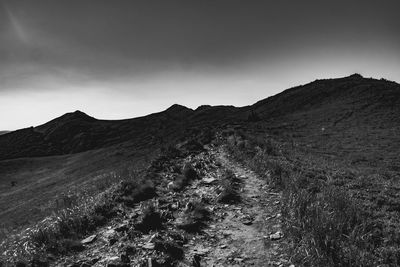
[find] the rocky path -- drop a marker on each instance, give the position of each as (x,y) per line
(244,233)
(249,232)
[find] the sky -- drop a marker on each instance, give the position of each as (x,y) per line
(123,59)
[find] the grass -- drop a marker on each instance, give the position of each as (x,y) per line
(61,233)
(194,217)
(187,175)
(46,185)
(229,185)
(150,219)
(335,215)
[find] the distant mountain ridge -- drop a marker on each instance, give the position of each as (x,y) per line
(4,132)
(322,103)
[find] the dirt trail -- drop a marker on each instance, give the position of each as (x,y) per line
(250,231)
(247,233)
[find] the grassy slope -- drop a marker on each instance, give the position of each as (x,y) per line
(33,187)
(337,152)
(46,184)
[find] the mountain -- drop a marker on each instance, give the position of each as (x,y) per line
(326,135)
(335,105)
(3,132)
(352,119)
(77,132)
(334,101)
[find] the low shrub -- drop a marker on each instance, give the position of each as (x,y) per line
(230,185)
(189,172)
(150,219)
(194,217)
(169,247)
(132,192)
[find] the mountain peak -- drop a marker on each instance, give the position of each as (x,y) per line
(356,76)
(177,108)
(77,115)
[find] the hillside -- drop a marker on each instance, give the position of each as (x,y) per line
(351,118)
(334,105)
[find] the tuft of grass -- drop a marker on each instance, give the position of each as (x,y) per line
(189,172)
(60,233)
(150,219)
(194,217)
(132,192)
(230,185)
(169,247)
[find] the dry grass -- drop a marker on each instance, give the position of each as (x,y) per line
(61,232)
(229,185)
(335,215)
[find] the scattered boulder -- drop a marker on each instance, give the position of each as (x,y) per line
(89,239)
(276,236)
(149,246)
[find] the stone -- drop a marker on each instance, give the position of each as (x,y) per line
(201,251)
(148,246)
(123,227)
(209,180)
(89,239)
(247,220)
(276,236)
(239,260)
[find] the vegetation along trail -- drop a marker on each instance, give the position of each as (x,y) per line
(216,213)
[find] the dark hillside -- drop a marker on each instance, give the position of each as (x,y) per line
(351,118)
(77,132)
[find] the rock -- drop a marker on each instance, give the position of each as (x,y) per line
(247,220)
(123,227)
(209,180)
(109,233)
(276,236)
(89,239)
(223,246)
(201,251)
(153,238)
(148,246)
(239,260)
(170,185)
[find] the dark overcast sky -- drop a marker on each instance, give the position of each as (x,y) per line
(121,59)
